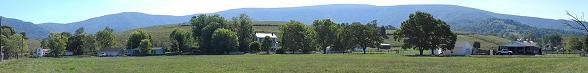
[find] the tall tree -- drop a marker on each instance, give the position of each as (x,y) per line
(422,31)
(244,31)
(57,44)
(293,36)
(225,41)
(344,39)
(325,31)
(363,36)
(105,38)
(76,41)
(203,26)
(181,40)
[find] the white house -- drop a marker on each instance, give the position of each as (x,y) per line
(261,35)
(461,48)
(40,52)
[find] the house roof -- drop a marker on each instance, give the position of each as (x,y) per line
(262,35)
(520,44)
(111,49)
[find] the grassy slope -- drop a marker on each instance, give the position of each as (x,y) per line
(313,63)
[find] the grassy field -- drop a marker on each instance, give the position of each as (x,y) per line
(314,63)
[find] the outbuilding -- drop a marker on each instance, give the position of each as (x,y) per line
(110,52)
(520,47)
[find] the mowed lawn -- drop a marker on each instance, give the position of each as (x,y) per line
(337,63)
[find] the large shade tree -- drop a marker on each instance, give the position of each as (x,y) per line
(325,33)
(424,32)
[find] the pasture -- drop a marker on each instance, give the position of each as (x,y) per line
(297,63)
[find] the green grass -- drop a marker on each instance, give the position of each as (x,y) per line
(313,63)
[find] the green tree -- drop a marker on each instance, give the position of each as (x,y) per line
(244,31)
(553,40)
(344,38)
(476,45)
(573,43)
(325,31)
(145,46)
(225,41)
(181,40)
(422,31)
(362,36)
(255,47)
(203,26)
(266,44)
(136,38)
(57,44)
(76,41)
(294,37)
(105,38)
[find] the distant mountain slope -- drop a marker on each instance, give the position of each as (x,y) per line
(119,22)
(31,30)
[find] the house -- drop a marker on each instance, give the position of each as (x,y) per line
(40,52)
(522,47)
(132,52)
(157,51)
(68,53)
(261,35)
(460,48)
(385,46)
(110,52)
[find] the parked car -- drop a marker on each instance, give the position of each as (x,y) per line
(504,52)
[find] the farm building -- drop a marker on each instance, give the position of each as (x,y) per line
(522,48)
(261,35)
(157,51)
(40,52)
(110,52)
(460,48)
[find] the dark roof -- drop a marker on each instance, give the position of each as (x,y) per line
(111,49)
(520,44)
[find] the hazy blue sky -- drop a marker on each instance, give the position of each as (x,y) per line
(66,11)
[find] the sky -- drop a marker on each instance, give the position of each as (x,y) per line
(67,11)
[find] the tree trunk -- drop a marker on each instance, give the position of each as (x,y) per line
(421,52)
(432,52)
(364,50)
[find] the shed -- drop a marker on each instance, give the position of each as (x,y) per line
(157,51)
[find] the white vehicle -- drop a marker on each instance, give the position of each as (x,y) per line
(504,52)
